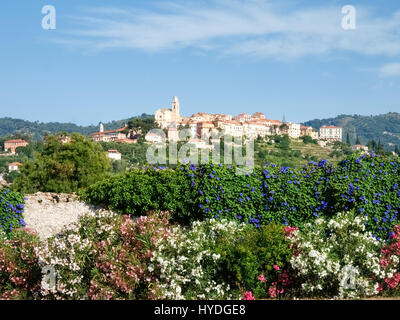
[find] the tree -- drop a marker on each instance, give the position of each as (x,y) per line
(396,149)
(372,145)
(284,144)
(348,139)
(358,140)
(64,167)
(380,146)
(140,126)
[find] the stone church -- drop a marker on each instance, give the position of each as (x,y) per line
(169,117)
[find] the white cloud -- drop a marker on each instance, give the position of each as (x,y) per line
(252,27)
(390,70)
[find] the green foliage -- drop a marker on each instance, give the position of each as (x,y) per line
(38,130)
(133,154)
(308,139)
(141,126)
(256,254)
(63,167)
(366,127)
(10,177)
(294,196)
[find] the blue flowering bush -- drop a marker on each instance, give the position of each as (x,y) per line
(368,185)
(11,210)
(365,184)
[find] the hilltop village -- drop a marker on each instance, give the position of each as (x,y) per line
(243,124)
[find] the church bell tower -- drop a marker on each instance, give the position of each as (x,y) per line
(175,109)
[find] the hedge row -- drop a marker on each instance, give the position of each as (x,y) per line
(364,184)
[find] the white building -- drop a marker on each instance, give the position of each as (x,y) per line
(153,137)
(199,143)
(14,166)
(294,130)
(359,147)
(114,154)
(331,133)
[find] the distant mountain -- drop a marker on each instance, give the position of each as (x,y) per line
(10,126)
(384,127)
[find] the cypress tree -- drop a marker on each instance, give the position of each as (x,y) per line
(348,139)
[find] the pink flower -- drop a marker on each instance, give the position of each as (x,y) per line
(272,292)
(394,281)
(248,296)
(276,267)
(289,231)
(262,278)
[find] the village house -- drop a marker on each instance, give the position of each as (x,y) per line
(14,166)
(117,135)
(199,143)
(330,133)
(64,139)
(359,147)
(153,137)
(308,131)
(114,154)
(12,145)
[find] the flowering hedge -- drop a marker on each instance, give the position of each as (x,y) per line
(104,256)
(337,258)
(365,184)
(110,256)
(19,269)
(11,210)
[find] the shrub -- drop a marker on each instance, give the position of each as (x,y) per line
(367,185)
(123,269)
(104,256)
(19,269)
(259,259)
(390,261)
(337,258)
(191,263)
(64,167)
(11,210)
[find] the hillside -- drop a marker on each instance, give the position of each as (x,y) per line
(384,127)
(11,126)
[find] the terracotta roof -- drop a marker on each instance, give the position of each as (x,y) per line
(330,127)
(15,164)
(15,141)
(205,122)
(109,131)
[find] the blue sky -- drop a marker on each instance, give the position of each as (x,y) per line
(109,60)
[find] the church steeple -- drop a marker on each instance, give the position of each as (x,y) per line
(175,108)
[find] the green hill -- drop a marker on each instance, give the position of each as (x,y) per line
(384,127)
(10,126)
